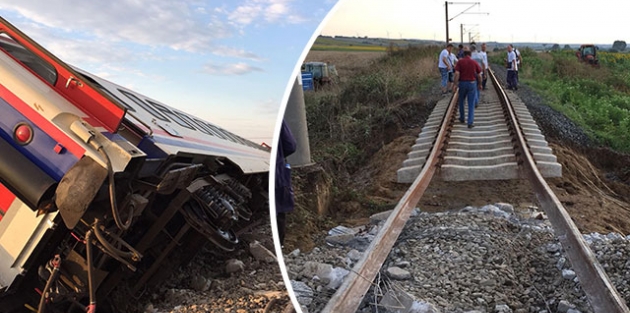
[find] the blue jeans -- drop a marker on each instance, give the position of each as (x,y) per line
(467,90)
(444,73)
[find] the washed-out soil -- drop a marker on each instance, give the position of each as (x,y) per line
(594,187)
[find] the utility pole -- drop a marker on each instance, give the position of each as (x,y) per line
(446,3)
(461,34)
(446,8)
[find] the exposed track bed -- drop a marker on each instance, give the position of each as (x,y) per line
(485,152)
(525,161)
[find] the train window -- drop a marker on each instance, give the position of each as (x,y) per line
(205,126)
(190,120)
(109,93)
(238,138)
(170,114)
(145,106)
(212,129)
(229,135)
(249,143)
(218,131)
(36,64)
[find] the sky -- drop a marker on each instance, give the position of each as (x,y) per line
(557,21)
(227,62)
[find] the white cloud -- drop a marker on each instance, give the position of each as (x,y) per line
(234,52)
(271,11)
(245,14)
(158,23)
(230,69)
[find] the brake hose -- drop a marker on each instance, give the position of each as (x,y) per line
(56,263)
(112,194)
(91,308)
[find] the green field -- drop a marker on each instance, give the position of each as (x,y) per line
(356,44)
(318,47)
(598,99)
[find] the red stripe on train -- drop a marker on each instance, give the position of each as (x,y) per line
(70,85)
(42,122)
(6,198)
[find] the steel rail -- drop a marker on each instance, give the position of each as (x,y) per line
(356,285)
(600,292)
(602,295)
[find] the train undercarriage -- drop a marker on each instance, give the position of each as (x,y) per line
(134,232)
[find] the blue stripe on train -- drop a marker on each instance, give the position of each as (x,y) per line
(41,150)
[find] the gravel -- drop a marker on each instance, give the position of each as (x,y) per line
(474,260)
(245,280)
(495,258)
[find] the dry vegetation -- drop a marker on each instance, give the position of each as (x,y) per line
(361,129)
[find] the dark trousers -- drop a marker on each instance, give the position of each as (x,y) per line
(281,219)
(511,79)
(484,81)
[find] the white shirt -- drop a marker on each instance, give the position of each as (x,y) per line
(443,55)
(485,59)
(453,59)
(511,57)
(478,57)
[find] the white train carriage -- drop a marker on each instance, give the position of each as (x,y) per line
(100,184)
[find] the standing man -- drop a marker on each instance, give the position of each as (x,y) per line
(485,61)
(444,65)
(512,67)
(518,61)
(452,59)
(285,200)
(478,57)
(468,75)
(460,52)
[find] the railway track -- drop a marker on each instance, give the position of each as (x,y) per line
(509,147)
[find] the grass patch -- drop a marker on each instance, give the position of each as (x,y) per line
(597,99)
(365,48)
(351,121)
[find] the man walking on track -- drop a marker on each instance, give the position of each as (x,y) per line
(485,60)
(478,57)
(468,77)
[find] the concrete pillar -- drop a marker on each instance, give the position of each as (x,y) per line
(295,116)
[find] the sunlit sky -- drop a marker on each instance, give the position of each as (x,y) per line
(550,21)
(228,62)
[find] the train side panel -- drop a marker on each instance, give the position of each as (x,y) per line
(100,185)
(174,131)
(20,233)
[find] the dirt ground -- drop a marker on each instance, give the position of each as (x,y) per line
(594,188)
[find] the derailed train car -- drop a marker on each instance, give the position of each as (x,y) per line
(100,185)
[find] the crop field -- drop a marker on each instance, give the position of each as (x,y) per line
(362,48)
(354,44)
(598,99)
